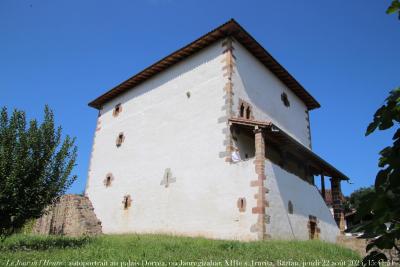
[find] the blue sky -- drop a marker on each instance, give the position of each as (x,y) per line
(66,53)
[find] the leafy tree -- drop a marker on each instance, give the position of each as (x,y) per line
(355,200)
(394,8)
(383,205)
(35,167)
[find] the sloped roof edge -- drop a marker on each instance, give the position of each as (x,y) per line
(292,144)
(230,28)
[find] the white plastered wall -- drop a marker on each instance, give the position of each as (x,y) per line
(306,199)
(257,85)
(163,129)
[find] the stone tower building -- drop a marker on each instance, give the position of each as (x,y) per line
(213,140)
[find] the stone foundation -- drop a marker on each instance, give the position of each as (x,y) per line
(72,215)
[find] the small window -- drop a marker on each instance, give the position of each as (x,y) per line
(242,110)
(117,110)
(126,202)
(241,203)
(108,180)
(248,113)
(285,100)
(120,139)
(245,110)
(313,229)
(290,207)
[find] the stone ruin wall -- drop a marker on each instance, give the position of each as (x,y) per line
(72,215)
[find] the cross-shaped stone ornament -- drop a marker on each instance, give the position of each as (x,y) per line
(168,179)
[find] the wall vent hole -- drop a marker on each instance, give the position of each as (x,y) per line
(117,110)
(285,99)
(290,207)
(241,203)
(120,139)
(127,202)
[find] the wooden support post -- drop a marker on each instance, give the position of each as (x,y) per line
(323,192)
(308,174)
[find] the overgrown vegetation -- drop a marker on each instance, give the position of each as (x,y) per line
(167,249)
(35,167)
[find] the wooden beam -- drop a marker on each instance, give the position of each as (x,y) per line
(323,186)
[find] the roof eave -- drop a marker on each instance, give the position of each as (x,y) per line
(274,129)
(230,28)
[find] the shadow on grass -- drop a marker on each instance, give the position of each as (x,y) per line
(36,243)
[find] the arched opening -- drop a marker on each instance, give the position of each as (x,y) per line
(245,110)
(248,113)
(242,110)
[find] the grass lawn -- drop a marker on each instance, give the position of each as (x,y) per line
(161,250)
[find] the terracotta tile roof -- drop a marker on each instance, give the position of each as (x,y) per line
(230,28)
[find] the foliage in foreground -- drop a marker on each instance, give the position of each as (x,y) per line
(383,203)
(35,167)
(383,230)
(162,248)
(394,8)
